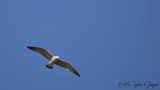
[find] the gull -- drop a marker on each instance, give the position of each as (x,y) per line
(54,60)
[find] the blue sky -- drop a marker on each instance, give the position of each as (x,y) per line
(107,41)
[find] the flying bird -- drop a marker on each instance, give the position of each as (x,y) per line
(54,60)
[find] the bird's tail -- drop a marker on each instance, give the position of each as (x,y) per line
(50,66)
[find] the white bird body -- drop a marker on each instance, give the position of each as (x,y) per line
(52,62)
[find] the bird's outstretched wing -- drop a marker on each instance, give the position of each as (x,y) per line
(41,51)
(67,66)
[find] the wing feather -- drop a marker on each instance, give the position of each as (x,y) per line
(67,66)
(41,51)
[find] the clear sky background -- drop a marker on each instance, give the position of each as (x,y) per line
(107,41)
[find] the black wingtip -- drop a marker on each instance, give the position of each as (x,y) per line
(30,47)
(79,76)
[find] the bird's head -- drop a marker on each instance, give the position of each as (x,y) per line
(56,57)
